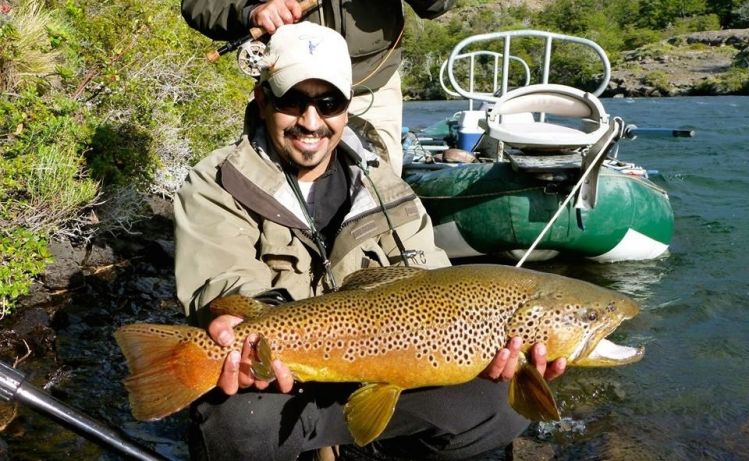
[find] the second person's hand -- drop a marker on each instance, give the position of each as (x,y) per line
(274,13)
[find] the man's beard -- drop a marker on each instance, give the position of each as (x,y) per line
(297,131)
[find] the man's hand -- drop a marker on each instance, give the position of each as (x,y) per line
(237,371)
(274,13)
(505,362)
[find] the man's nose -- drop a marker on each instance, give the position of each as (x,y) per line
(310,119)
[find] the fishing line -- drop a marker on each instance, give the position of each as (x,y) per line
(572,193)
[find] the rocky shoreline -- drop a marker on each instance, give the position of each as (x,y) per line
(690,64)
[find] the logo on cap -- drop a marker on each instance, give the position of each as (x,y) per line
(312,43)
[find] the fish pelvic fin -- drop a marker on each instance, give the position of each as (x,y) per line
(530,395)
(369,409)
(261,367)
(240,306)
(367,279)
(168,368)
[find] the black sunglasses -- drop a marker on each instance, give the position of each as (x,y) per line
(295,102)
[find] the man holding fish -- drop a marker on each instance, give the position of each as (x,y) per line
(289,211)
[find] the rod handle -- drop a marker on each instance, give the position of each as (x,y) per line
(255,33)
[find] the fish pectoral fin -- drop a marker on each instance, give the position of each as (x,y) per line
(238,305)
(261,366)
(369,409)
(531,396)
(367,279)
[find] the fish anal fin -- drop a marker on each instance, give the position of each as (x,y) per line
(367,279)
(168,369)
(369,409)
(531,396)
(240,306)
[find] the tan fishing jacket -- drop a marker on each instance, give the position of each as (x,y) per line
(240,228)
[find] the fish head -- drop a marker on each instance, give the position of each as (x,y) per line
(573,318)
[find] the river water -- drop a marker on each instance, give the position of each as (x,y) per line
(687,399)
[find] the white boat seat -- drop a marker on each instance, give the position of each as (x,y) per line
(513,121)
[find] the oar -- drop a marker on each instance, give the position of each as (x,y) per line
(13,386)
(632,131)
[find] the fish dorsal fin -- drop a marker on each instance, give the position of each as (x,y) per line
(367,279)
(241,306)
(531,396)
(369,409)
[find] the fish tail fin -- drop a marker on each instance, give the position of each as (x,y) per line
(531,396)
(369,409)
(168,367)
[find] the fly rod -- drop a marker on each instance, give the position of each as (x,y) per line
(13,386)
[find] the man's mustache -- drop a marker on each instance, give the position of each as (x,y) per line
(300,131)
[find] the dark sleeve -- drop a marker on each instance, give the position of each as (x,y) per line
(430,9)
(274,297)
(219,19)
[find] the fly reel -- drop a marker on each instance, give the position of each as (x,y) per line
(250,57)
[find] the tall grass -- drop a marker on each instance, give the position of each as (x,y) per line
(57,189)
(26,56)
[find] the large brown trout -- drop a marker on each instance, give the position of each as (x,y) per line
(393,328)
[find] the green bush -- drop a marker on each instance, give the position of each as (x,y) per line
(23,256)
(735,81)
(658,79)
(99,95)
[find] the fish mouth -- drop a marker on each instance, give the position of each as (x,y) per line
(608,354)
(601,352)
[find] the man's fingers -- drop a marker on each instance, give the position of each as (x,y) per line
(556,369)
(512,360)
(272,15)
(538,357)
(221,329)
(283,376)
(228,382)
(494,370)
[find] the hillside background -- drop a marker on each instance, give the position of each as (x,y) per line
(106,103)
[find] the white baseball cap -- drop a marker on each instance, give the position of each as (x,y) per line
(303,51)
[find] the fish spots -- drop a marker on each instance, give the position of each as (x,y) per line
(454,317)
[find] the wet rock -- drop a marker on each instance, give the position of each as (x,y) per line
(4,455)
(529,449)
(161,206)
(66,272)
(100,254)
(33,332)
(154,287)
(38,295)
(167,246)
(619,446)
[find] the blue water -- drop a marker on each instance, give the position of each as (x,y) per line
(689,397)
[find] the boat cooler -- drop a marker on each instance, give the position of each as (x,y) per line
(468,129)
